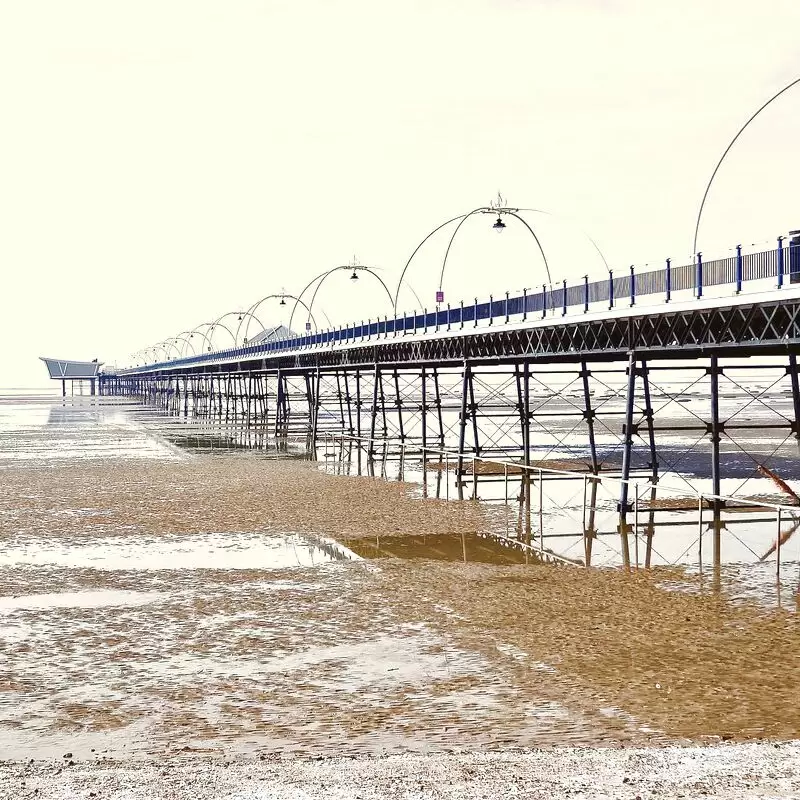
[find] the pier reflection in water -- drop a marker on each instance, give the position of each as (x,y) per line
(569,517)
(567,514)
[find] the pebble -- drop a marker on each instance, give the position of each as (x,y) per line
(725,772)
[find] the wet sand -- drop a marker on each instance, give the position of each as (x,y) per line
(166,604)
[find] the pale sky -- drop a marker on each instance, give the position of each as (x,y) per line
(162,163)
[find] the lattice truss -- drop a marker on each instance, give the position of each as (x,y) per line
(755,422)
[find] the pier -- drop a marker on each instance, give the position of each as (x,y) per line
(649,379)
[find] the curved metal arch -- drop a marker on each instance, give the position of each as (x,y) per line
(411,257)
(248,315)
(213,326)
(565,217)
(168,344)
(155,348)
(282,296)
(206,339)
(727,150)
(183,342)
(230,314)
(324,276)
(488,210)
(185,337)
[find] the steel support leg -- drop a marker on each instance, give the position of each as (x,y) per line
(399,403)
(651,437)
(627,454)
(526,449)
(795,394)
(466,381)
(715,430)
(374,411)
(589,415)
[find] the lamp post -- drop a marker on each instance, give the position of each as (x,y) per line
(168,345)
(725,153)
(185,337)
(240,315)
(213,326)
(499,210)
(354,268)
(282,297)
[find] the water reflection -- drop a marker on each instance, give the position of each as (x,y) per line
(171,551)
(466,547)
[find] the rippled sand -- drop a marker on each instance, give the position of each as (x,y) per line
(235,604)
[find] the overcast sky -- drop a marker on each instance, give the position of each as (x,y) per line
(162,163)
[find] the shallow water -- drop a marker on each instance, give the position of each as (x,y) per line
(159,599)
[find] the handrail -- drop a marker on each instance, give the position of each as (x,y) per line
(735,270)
(599,479)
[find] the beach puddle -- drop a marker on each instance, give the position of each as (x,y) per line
(200,551)
(87,599)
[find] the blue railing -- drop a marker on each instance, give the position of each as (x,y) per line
(558,299)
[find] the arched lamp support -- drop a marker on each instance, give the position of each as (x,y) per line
(281,296)
(323,276)
(727,150)
(583,232)
(185,337)
(240,314)
(498,211)
(411,257)
(214,326)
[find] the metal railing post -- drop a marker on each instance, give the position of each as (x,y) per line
(633,287)
(506,308)
(699,276)
(738,268)
(544,300)
(491,309)
(780,262)
(564,299)
(669,280)
(610,289)
(585,294)
(524,305)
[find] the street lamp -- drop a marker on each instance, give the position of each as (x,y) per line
(497,207)
(323,276)
(500,210)
(250,313)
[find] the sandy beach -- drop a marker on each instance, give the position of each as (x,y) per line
(222,624)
